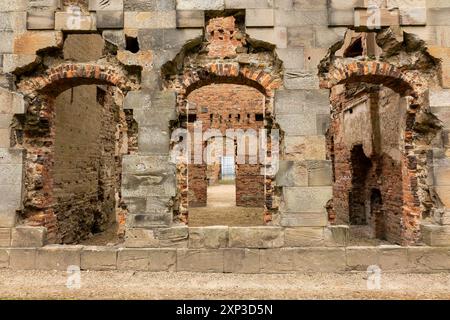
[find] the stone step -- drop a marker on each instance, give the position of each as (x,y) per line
(230,260)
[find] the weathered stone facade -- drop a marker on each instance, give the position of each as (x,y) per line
(91,93)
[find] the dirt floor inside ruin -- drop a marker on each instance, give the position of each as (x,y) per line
(143,285)
(221,207)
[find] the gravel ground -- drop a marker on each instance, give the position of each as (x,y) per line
(144,285)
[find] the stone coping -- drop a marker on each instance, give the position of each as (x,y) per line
(389,258)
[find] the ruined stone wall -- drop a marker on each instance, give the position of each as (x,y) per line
(276,47)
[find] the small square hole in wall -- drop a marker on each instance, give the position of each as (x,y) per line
(192,118)
(259,117)
(132,44)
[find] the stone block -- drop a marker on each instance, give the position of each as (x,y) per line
(176,236)
(360,258)
(45,4)
(259,17)
(143,99)
(436,235)
(41,20)
(7,43)
(441,174)
(319,173)
(150,20)
(162,260)
(101,5)
(150,220)
(292,57)
(19,63)
(143,58)
(167,39)
(154,139)
(155,117)
(444,194)
(388,17)
(13,21)
(12,6)
(5,121)
(300,37)
(305,148)
(306,199)
(98,258)
(276,36)
(248,4)
(438,16)
(319,260)
(115,37)
(11,103)
(109,20)
(208,237)
(25,236)
(150,183)
(10,156)
(340,12)
(200,4)
(22,258)
(190,19)
(32,42)
(306,18)
(133,259)
(5,138)
(5,237)
(300,79)
(325,37)
(74,21)
(304,237)
(292,174)
(289,102)
(337,235)
(305,219)
(7,219)
(393,258)
(277,260)
(412,13)
(147,165)
(298,124)
(140,238)
(149,5)
(312,58)
(427,259)
(444,55)
(439,98)
(322,123)
(56,257)
(241,261)
(340,18)
(4,258)
(203,260)
(11,197)
(256,237)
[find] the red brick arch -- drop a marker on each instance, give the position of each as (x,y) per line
(64,76)
(261,80)
(375,72)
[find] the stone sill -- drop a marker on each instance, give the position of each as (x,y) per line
(226,260)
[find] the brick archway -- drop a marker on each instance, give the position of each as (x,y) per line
(409,85)
(37,130)
(374,72)
(64,76)
(228,73)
